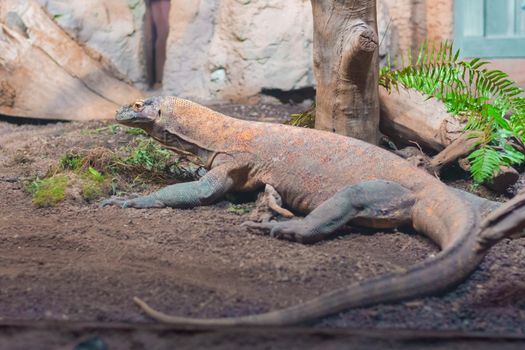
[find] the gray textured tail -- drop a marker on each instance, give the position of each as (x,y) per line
(463,251)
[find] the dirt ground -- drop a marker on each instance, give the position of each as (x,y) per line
(79,262)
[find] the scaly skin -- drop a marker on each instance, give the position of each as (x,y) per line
(335,180)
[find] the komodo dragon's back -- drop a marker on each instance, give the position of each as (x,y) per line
(333,179)
(314,165)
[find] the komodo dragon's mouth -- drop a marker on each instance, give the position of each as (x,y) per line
(131,117)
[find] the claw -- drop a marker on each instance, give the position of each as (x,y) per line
(282,233)
(122,202)
(105,203)
(260,225)
(113,201)
(287,230)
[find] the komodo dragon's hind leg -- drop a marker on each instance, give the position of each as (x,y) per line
(379,204)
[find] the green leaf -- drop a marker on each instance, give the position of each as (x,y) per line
(511,156)
(94,171)
(484,163)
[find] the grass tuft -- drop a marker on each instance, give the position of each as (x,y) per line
(135,131)
(98,172)
(305,119)
(238,209)
(70,161)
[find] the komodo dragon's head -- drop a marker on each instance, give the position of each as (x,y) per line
(156,116)
(141,114)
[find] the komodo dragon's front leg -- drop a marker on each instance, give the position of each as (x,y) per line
(379,204)
(205,191)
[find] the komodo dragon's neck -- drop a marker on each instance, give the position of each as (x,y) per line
(187,127)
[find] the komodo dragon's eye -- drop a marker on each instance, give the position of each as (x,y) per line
(138,105)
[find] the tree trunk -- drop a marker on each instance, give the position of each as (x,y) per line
(346,67)
(44,73)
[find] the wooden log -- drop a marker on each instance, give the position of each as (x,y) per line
(457,149)
(408,117)
(45,74)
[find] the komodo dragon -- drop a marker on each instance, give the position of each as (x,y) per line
(333,179)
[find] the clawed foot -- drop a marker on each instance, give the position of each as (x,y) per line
(118,201)
(133,202)
(293,230)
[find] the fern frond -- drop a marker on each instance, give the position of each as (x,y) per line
(484,163)
(487,98)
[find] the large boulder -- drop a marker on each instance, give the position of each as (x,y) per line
(44,73)
(112,28)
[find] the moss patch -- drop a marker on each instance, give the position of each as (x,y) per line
(48,192)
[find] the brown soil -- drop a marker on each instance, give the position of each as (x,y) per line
(79,262)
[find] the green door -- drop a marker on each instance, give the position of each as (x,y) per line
(490,28)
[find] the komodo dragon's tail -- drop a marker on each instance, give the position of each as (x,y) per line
(447,269)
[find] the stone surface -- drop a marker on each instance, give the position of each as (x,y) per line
(232,49)
(440,20)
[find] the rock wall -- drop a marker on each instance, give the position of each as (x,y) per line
(232,49)
(440,20)
(113,28)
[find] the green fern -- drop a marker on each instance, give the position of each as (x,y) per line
(470,91)
(483,163)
